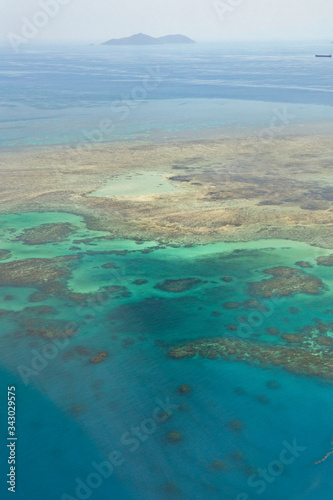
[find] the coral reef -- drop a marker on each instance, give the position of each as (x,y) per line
(37,297)
(219,465)
(272,331)
(177,286)
(140,282)
(33,271)
(46,233)
(101,356)
(292,338)
(216,314)
(303,264)
(184,389)
(5,254)
(286,281)
(49,329)
(109,265)
(236,425)
(174,437)
(232,305)
(298,360)
(326,260)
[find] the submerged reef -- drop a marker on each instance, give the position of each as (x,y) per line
(4,254)
(318,362)
(140,282)
(326,260)
(33,271)
(184,389)
(49,329)
(46,233)
(101,356)
(174,437)
(286,281)
(304,264)
(181,285)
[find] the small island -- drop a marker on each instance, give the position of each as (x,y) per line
(141,39)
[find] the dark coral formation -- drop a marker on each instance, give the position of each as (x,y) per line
(184,389)
(50,329)
(216,314)
(286,281)
(177,286)
(303,264)
(174,437)
(140,282)
(5,254)
(33,271)
(101,356)
(219,465)
(236,425)
(247,304)
(308,337)
(326,260)
(46,233)
(83,351)
(272,331)
(292,338)
(37,297)
(232,305)
(301,361)
(109,265)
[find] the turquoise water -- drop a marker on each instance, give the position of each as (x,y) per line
(72,413)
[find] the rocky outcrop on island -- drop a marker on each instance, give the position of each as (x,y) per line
(142,39)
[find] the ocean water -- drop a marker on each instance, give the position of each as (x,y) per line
(231,428)
(72,413)
(62,94)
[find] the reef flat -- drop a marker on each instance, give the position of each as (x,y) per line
(234,189)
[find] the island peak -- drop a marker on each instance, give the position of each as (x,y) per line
(142,39)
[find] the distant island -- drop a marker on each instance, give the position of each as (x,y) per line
(141,39)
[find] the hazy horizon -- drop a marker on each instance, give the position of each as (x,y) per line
(201,20)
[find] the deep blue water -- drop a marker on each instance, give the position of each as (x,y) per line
(73,413)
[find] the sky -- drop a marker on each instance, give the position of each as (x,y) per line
(202,20)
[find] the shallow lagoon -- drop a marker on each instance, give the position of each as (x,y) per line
(139,184)
(136,325)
